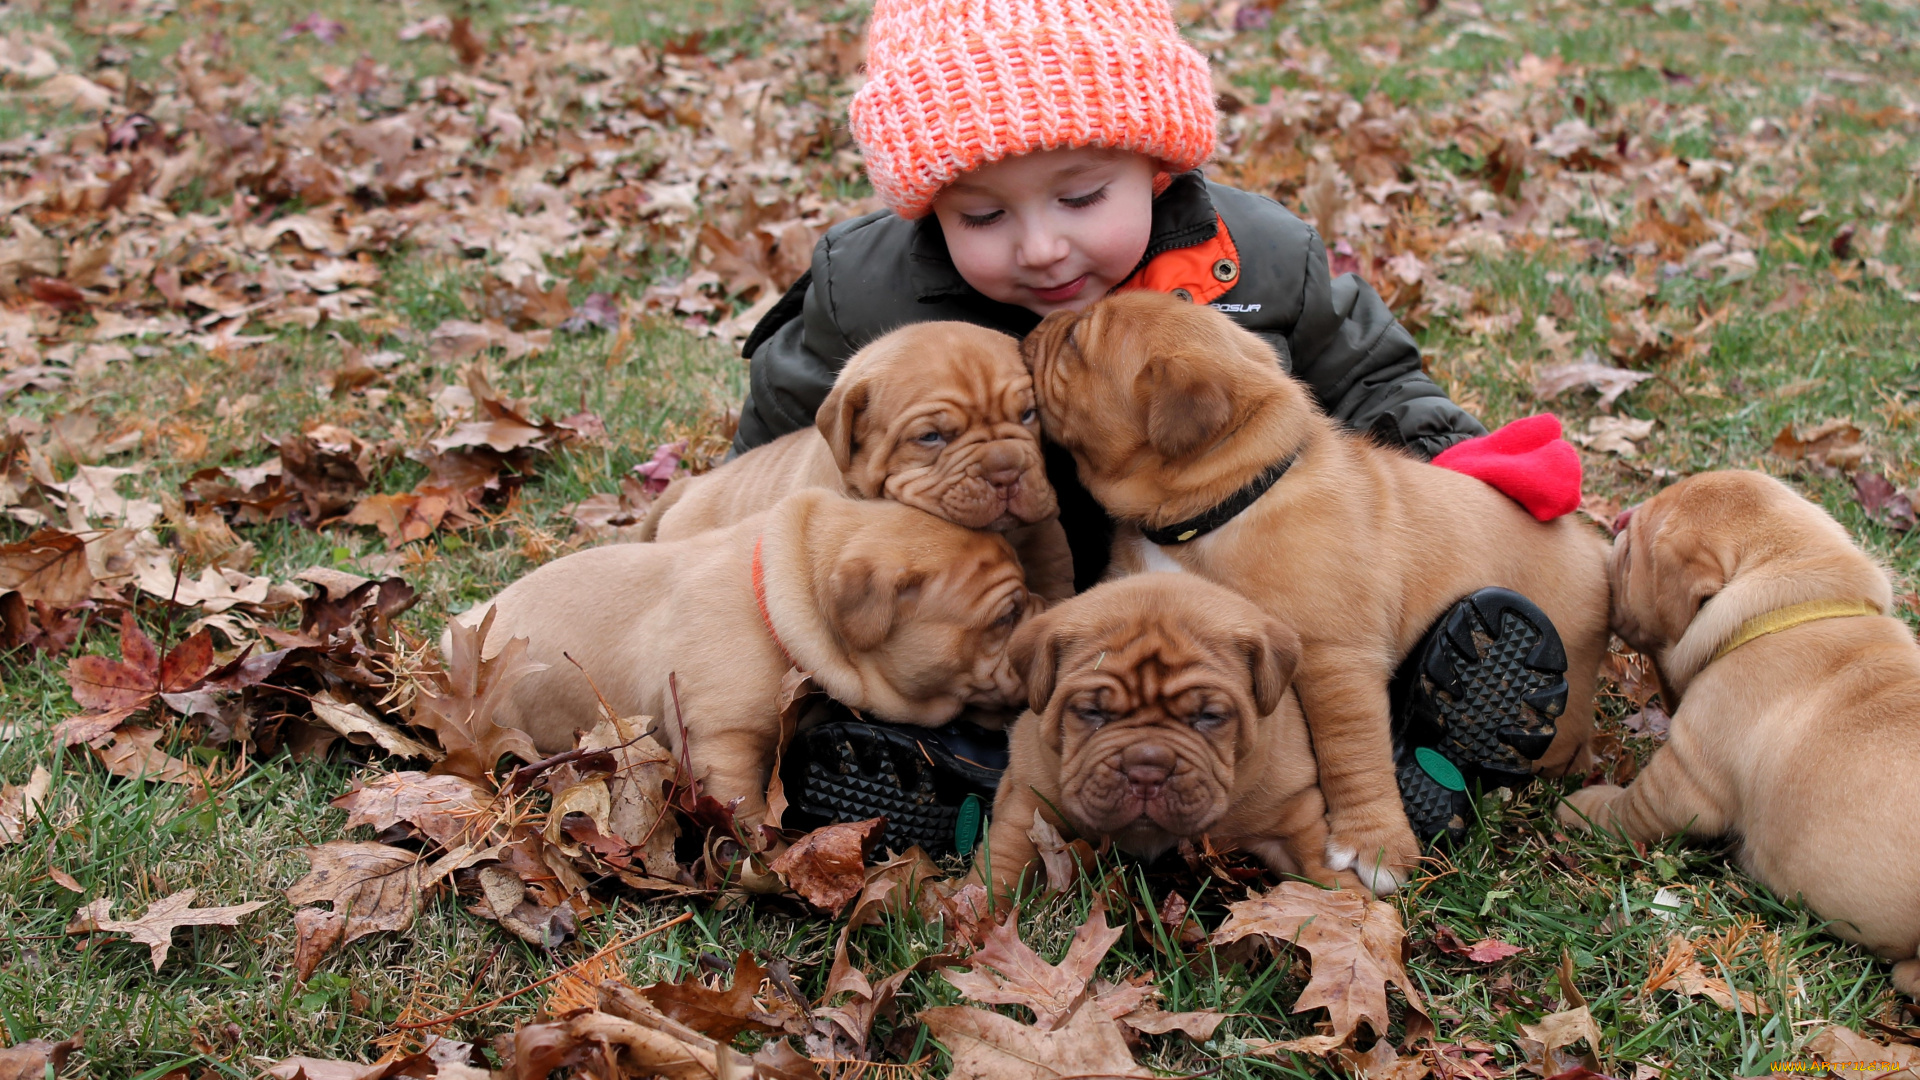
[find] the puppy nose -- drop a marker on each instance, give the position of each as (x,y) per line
(1620,522)
(1000,466)
(1146,766)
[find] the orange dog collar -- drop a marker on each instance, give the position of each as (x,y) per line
(760,598)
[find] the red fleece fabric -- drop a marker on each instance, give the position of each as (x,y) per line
(1527,461)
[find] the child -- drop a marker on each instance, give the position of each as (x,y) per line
(1035,155)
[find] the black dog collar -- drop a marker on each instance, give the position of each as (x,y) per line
(1200,525)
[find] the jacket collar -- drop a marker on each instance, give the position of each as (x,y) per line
(1183,216)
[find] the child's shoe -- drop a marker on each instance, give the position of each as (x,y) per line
(934,786)
(1475,702)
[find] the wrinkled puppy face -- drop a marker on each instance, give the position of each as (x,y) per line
(1141,384)
(925,610)
(1152,689)
(940,416)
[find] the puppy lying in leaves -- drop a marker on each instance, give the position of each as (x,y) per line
(892,611)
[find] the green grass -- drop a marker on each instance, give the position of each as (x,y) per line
(1852,349)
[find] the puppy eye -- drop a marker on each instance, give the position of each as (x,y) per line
(931,438)
(1092,716)
(1013,614)
(1207,719)
(1029,416)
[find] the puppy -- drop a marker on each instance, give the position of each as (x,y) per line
(1803,742)
(893,611)
(936,415)
(1160,711)
(1170,410)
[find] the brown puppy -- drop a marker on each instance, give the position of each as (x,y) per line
(936,415)
(1170,409)
(1160,711)
(1775,738)
(895,612)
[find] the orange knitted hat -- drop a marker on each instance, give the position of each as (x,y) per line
(954,84)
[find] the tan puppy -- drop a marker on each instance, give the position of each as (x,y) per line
(1160,711)
(936,415)
(895,612)
(1803,742)
(1170,408)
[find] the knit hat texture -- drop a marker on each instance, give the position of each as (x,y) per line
(955,84)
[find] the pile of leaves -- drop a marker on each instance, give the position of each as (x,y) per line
(599,1025)
(178,213)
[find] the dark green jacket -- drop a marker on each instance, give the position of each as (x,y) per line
(880,271)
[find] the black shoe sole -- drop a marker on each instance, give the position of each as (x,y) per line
(930,785)
(1485,688)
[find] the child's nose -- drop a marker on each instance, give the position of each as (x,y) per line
(1041,247)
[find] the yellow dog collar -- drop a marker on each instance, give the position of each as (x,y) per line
(1787,618)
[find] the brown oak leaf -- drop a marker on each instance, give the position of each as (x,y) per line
(458,705)
(1006,971)
(1354,942)
(725,1013)
(988,1046)
(164,916)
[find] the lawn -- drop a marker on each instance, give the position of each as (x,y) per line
(231,222)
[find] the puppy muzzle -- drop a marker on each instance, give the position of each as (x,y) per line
(1144,781)
(1003,487)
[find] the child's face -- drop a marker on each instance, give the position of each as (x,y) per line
(1052,230)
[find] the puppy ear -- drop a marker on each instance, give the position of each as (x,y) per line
(1035,655)
(838,415)
(1185,409)
(861,598)
(1273,653)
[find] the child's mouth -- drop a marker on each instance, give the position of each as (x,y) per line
(1062,293)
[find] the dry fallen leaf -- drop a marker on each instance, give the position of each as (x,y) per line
(1614,435)
(449,810)
(1682,970)
(50,566)
(1006,971)
(141,672)
(459,706)
(20,805)
(1555,1032)
(1060,858)
(36,1058)
(1830,446)
(1836,1044)
(988,1046)
(1877,496)
(372,887)
(1355,943)
(360,726)
(725,1013)
(155,928)
(828,865)
(1609,380)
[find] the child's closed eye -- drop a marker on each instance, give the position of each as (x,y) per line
(980,221)
(1091,198)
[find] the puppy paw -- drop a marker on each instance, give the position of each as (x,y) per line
(1380,872)
(1906,978)
(1586,808)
